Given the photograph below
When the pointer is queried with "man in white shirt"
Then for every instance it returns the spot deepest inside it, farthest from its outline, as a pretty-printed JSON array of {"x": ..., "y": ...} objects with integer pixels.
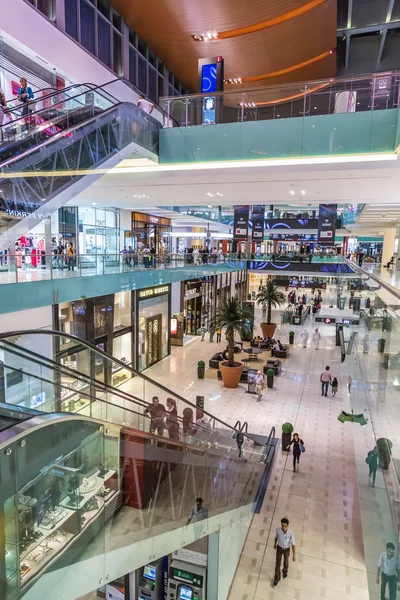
[
  {"x": 259, "y": 380},
  {"x": 326, "y": 379},
  {"x": 198, "y": 512},
  {"x": 145, "y": 105},
  {"x": 284, "y": 540},
  {"x": 388, "y": 568}
]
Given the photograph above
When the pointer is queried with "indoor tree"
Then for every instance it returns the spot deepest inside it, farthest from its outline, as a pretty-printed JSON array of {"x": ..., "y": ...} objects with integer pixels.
[
  {"x": 232, "y": 315},
  {"x": 270, "y": 296}
]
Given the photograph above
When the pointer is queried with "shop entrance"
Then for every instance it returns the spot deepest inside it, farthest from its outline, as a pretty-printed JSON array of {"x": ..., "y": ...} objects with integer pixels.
[{"x": 153, "y": 329}]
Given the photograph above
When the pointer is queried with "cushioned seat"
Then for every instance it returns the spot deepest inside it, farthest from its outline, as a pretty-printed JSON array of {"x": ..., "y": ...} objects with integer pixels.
[
  {"x": 273, "y": 364},
  {"x": 284, "y": 353}
]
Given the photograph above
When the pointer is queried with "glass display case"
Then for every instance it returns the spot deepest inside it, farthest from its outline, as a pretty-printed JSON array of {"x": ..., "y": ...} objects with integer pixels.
[{"x": 61, "y": 502}]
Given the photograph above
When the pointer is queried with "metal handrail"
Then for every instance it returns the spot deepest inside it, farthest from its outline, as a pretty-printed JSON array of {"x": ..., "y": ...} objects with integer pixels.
[
  {"x": 88, "y": 345},
  {"x": 384, "y": 284},
  {"x": 285, "y": 86}
]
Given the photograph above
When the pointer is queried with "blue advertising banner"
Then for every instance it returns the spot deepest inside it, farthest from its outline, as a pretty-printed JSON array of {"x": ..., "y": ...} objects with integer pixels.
[
  {"x": 241, "y": 223},
  {"x": 257, "y": 221},
  {"x": 327, "y": 224}
]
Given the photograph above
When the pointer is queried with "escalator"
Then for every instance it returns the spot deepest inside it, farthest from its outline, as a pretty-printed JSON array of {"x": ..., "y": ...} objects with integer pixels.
[
  {"x": 92, "y": 487},
  {"x": 63, "y": 136}
]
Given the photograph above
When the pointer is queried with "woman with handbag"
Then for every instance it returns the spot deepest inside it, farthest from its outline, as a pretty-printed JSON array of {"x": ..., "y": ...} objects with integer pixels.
[
  {"x": 298, "y": 448},
  {"x": 25, "y": 94}
]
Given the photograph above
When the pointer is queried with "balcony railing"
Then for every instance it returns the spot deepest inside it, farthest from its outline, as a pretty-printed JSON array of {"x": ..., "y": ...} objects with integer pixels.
[{"x": 378, "y": 91}]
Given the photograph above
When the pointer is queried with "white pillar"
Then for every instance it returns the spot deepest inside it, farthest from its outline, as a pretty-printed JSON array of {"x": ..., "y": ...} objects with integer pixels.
[{"x": 388, "y": 245}]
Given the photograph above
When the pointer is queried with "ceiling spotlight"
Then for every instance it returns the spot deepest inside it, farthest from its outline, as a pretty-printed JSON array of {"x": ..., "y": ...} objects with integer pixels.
[
  {"x": 93, "y": 203},
  {"x": 303, "y": 193},
  {"x": 292, "y": 192}
]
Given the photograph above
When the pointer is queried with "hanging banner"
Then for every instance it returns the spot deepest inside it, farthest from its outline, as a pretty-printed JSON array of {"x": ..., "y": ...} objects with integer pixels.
[
  {"x": 257, "y": 221},
  {"x": 241, "y": 223},
  {"x": 327, "y": 224}
]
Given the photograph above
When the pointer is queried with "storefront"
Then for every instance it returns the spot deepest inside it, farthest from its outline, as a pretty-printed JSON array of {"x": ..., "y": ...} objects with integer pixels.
[
  {"x": 192, "y": 306},
  {"x": 98, "y": 234},
  {"x": 105, "y": 322},
  {"x": 149, "y": 231},
  {"x": 153, "y": 316},
  {"x": 256, "y": 282}
]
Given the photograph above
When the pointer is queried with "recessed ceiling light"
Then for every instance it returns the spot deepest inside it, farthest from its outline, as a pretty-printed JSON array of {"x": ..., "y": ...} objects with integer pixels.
[
  {"x": 93, "y": 203},
  {"x": 303, "y": 193},
  {"x": 292, "y": 192}
]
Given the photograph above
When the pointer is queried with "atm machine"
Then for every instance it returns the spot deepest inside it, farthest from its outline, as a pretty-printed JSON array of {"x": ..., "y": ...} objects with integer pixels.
[
  {"x": 150, "y": 582},
  {"x": 186, "y": 581}
]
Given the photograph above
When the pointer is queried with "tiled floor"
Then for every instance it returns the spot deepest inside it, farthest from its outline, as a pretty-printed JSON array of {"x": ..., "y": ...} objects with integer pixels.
[{"x": 341, "y": 523}]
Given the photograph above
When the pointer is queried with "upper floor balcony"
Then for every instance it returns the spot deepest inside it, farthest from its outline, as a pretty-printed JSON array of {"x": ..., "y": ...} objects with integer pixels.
[{"x": 332, "y": 117}]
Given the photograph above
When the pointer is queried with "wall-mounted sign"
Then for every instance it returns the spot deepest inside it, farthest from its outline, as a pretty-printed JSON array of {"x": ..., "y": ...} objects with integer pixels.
[
  {"x": 327, "y": 224},
  {"x": 241, "y": 223},
  {"x": 155, "y": 291},
  {"x": 257, "y": 221}
]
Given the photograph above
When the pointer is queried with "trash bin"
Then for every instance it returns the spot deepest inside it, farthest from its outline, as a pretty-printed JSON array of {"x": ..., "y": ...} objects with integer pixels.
[
  {"x": 381, "y": 345},
  {"x": 291, "y": 337}
]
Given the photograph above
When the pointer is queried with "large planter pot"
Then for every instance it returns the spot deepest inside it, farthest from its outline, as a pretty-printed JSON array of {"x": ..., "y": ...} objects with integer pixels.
[
  {"x": 231, "y": 375},
  {"x": 268, "y": 329}
]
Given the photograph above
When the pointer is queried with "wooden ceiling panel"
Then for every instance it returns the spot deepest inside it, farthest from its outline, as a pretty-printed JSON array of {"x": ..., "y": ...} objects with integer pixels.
[{"x": 167, "y": 26}]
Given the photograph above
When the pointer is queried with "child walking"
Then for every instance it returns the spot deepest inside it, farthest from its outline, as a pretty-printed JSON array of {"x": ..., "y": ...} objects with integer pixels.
[{"x": 335, "y": 386}]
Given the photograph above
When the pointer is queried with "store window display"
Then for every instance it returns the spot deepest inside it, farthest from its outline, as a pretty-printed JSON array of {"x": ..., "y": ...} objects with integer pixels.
[
  {"x": 98, "y": 234},
  {"x": 64, "y": 500},
  {"x": 153, "y": 326}
]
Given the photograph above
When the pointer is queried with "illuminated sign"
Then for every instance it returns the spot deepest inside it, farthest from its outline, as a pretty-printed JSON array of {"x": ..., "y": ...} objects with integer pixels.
[
  {"x": 174, "y": 326},
  {"x": 156, "y": 291}
]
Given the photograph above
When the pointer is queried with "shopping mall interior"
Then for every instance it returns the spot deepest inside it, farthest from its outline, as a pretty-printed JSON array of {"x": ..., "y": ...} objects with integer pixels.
[{"x": 200, "y": 300}]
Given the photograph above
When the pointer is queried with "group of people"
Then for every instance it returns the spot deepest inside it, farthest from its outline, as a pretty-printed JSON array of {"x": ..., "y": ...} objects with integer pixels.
[
  {"x": 25, "y": 95},
  {"x": 201, "y": 255},
  {"x": 64, "y": 255},
  {"x": 131, "y": 258},
  {"x": 166, "y": 418},
  {"x": 212, "y": 330},
  {"x": 316, "y": 338}
]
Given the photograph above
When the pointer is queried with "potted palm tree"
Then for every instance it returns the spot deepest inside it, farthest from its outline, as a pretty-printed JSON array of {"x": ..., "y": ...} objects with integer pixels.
[
  {"x": 232, "y": 315},
  {"x": 269, "y": 297}
]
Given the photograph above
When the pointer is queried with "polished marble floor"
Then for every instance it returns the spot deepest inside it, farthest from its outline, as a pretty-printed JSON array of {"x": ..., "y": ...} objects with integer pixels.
[{"x": 341, "y": 523}]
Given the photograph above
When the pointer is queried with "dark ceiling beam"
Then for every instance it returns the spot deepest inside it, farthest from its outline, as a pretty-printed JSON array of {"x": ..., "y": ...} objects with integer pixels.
[
  {"x": 390, "y": 11},
  {"x": 347, "y": 58},
  {"x": 369, "y": 28},
  {"x": 381, "y": 46},
  {"x": 349, "y": 14}
]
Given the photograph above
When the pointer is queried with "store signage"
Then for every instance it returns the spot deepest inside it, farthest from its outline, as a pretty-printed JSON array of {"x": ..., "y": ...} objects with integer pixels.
[
  {"x": 257, "y": 231},
  {"x": 291, "y": 223},
  {"x": 241, "y": 223},
  {"x": 294, "y": 237},
  {"x": 153, "y": 219},
  {"x": 382, "y": 86},
  {"x": 191, "y": 556},
  {"x": 156, "y": 291},
  {"x": 327, "y": 224},
  {"x": 174, "y": 326}
]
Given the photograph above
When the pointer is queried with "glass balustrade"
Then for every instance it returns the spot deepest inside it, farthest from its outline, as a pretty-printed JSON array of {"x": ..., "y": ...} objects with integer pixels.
[{"x": 106, "y": 481}]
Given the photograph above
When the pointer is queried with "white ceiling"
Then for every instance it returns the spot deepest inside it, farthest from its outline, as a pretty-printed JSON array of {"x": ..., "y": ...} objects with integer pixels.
[{"x": 372, "y": 180}]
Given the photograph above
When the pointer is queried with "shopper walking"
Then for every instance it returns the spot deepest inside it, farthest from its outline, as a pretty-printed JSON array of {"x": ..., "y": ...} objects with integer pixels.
[
  {"x": 335, "y": 386},
  {"x": 259, "y": 380},
  {"x": 298, "y": 445},
  {"x": 366, "y": 343},
  {"x": 203, "y": 331},
  {"x": 60, "y": 256},
  {"x": 373, "y": 463},
  {"x": 284, "y": 540},
  {"x": 388, "y": 569},
  {"x": 212, "y": 332},
  {"x": 325, "y": 379},
  {"x": 316, "y": 338},
  {"x": 71, "y": 256},
  {"x": 218, "y": 332},
  {"x": 198, "y": 512},
  {"x": 304, "y": 338}
]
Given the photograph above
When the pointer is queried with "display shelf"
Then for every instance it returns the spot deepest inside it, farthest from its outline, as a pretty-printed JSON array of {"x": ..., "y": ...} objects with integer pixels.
[
  {"x": 121, "y": 376},
  {"x": 74, "y": 393},
  {"x": 45, "y": 534},
  {"x": 79, "y": 404},
  {"x": 92, "y": 493},
  {"x": 29, "y": 568}
]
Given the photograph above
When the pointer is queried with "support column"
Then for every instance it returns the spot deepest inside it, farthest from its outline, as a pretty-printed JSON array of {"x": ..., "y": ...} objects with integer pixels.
[{"x": 388, "y": 245}]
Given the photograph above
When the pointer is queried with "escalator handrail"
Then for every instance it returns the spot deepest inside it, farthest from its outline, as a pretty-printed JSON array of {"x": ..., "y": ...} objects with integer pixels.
[
  {"x": 53, "y": 333},
  {"x": 99, "y": 385},
  {"x": 15, "y": 98},
  {"x": 65, "y": 132},
  {"x": 37, "y": 112}
]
